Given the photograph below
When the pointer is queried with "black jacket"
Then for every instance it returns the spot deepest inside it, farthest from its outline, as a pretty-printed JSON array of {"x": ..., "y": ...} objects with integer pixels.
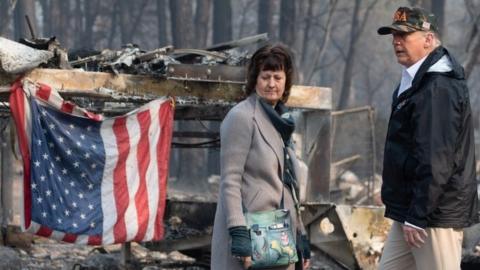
[{"x": 429, "y": 161}]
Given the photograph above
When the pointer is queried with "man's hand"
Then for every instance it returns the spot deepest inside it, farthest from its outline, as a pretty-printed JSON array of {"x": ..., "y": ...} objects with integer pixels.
[
  {"x": 415, "y": 237},
  {"x": 306, "y": 263}
]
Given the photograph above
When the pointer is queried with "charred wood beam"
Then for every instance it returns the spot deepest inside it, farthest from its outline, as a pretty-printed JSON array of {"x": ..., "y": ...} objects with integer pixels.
[
  {"x": 90, "y": 82},
  {"x": 345, "y": 161},
  {"x": 351, "y": 110},
  {"x": 307, "y": 97},
  {"x": 4, "y": 93},
  {"x": 182, "y": 112},
  {"x": 229, "y": 45},
  {"x": 217, "y": 73},
  {"x": 206, "y": 144},
  {"x": 196, "y": 134},
  {"x": 238, "y": 43},
  {"x": 209, "y": 113},
  {"x": 197, "y": 52},
  {"x": 30, "y": 27}
]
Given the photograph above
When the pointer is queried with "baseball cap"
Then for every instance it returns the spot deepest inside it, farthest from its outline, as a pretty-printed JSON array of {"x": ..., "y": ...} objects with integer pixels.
[{"x": 408, "y": 20}]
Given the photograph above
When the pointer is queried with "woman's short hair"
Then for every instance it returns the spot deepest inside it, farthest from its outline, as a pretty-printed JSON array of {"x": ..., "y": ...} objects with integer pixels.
[{"x": 271, "y": 57}]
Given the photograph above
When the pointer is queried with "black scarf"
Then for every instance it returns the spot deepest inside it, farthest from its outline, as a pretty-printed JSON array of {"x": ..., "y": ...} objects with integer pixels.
[
  {"x": 283, "y": 122},
  {"x": 281, "y": 119}
]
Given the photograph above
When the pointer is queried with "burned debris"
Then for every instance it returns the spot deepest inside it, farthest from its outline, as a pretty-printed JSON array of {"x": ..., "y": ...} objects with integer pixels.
[
  {"x": 196, "y": 64},
  {"x": 206, "y": 83}
]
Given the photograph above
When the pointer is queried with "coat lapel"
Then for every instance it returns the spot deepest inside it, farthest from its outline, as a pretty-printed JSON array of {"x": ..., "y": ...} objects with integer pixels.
[{"x": 268, "y": 131}]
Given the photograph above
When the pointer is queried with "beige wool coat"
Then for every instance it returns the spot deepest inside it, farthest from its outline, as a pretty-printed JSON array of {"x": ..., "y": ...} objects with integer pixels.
[{"x": 251, "y": 162}]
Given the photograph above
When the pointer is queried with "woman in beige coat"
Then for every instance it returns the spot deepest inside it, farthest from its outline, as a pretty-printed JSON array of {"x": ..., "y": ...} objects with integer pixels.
[{"x": 253, "y": 135}]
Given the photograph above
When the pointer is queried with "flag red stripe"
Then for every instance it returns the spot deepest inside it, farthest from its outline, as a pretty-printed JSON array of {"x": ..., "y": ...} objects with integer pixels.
[
  {"x": 44, "y": 92},
  {"x": 44, "y": 231},
  {"x": 120, "y": 188},
  {"x": 163, "y": 154},
  {"x": 93, "y": 116},
  {"x": 69, "y": 238},
  {"x": 94, "y": 240},
  {"x": 143, "y": 159},
  {"x": 17, "y": 106},
  {"x": 67, "y": 107}
]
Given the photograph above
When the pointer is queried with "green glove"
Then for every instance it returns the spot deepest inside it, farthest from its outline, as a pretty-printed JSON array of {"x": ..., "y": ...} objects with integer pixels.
[
  {"x": 241, "y": 245},
  {"x": 305, "y": 246}
]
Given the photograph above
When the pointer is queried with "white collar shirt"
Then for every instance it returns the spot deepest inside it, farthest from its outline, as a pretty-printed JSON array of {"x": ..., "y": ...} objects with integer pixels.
[{"x": 408, "y": 74}]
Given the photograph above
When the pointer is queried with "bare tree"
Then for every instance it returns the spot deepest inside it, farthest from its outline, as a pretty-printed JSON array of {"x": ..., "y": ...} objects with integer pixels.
[
  {"x": 321, "y": 49},
  {"x": 47, "y": 17},
  {"x": 130, "y": 20},
  {"x": 84, "y": 18},
  {"x": 426, "y": 4},
  {"x": 202, "y": 19},
  {"x": 287, "y": 22},
  {"x": 6, "y": 11},
  {"x": 265, "y": 17},
  {"x": 222, "y": 21},
  {"x": 438, "y": 8},
  {"x": 372, "y": 83},
  {"x": 113, "y": 24},
  {"x": 60, "y": 11},
  {"x": 182, "y": 24},
  {"x": 306, "y": 32},
  {"x": 473, "y": 43},
  {"x": 162, "y": 23},
  {"x": 243, "y": 15},
  {"x": 20, "y": 27},
  {"x": 91, "y": 11},
  {"x": 346, "y": 91},
  {"x": 124, "y": 20},
  {"x": 77, "y": 19},
  {"x": 56, "y": 19},
  {"x": 137, "y": 18}
]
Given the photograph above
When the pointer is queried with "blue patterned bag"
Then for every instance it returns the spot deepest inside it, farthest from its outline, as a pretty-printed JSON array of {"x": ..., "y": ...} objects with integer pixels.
[{"x": 272, "y": 238}]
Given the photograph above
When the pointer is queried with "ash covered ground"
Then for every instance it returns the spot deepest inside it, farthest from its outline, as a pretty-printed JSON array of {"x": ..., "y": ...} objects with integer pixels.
[{"x": 48, "y": 254}]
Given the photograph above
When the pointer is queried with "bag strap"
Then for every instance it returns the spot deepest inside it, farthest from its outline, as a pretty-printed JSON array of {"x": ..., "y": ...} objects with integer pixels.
[{"x": 303, "y": 231}]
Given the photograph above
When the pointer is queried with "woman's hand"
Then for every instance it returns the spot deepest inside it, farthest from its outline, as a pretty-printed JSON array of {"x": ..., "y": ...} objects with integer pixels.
[
  {"x": 246, "y": 262},
  {"x": 305, "y": 250},
  {"x": 241, "y": 246}
]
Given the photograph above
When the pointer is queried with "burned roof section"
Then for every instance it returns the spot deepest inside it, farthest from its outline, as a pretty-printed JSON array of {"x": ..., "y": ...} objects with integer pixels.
[
  {"x": 181, "y": 70},
  {"x": 206, "y": 64}
]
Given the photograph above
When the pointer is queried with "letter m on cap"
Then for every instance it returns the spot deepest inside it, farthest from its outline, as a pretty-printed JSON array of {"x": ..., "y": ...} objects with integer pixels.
[{"x": 400, "y": 16}]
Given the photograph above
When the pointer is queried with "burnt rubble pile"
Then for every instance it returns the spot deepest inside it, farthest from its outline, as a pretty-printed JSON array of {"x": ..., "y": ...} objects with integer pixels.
[
  {"x": 211, "y": 67},
  {"x": 131, "y": 59}
]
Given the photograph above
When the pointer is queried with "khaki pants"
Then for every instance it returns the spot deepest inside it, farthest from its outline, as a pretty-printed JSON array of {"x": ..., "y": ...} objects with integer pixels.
[{"x": 442, "y": 250}]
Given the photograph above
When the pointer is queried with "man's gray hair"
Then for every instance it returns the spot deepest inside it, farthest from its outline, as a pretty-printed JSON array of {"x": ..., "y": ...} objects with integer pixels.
[{"x": 436, "y": 36}]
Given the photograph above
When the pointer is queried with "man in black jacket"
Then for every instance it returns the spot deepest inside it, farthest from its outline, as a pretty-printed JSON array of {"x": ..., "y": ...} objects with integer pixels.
[{"x": 429, "y": 187}]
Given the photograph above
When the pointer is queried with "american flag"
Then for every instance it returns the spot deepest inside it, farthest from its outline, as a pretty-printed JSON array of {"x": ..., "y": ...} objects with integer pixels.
[{"x": 88, "y": 179}]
